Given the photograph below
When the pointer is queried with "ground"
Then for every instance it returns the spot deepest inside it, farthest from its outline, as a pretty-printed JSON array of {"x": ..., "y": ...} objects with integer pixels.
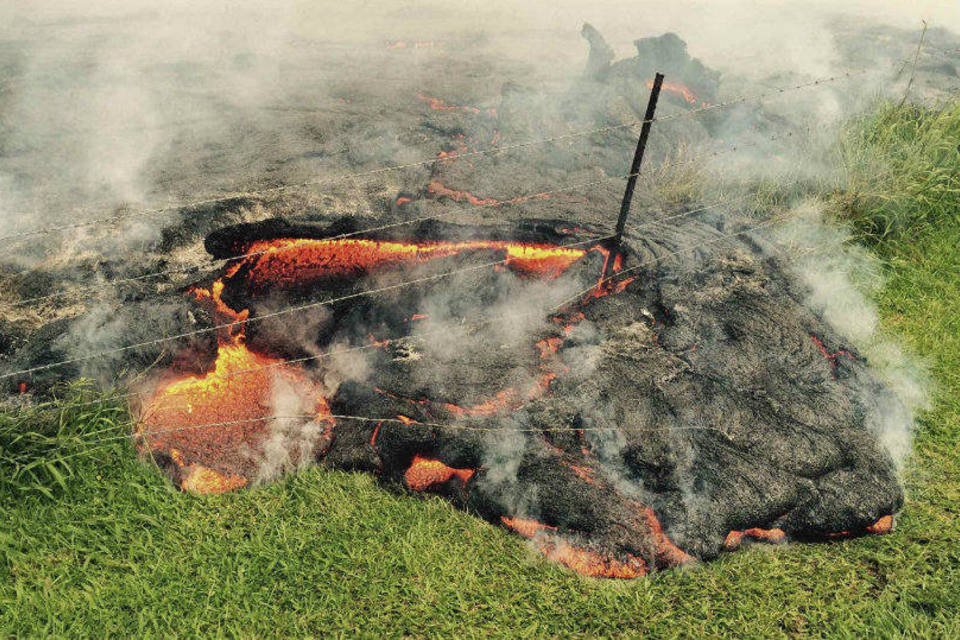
[{"x": 118, "y": 551}]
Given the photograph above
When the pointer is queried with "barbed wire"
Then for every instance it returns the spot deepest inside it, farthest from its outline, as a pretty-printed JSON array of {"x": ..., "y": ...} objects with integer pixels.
[
  {"x": 555, "y": 309},
  {"x": 726, "y": 202},
  {"x": 321, "y": 303},
  {"x": 619, "y": 274},
  {"x": 514, "y": 201},
  {"x": 434, "y": 159},
  {"x": 282, "y": 312}
]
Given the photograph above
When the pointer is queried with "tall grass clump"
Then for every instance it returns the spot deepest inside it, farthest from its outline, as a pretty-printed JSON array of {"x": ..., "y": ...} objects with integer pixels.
[
  {"x": 901, "y": 170},
  {"x": 42, "y": 446}
]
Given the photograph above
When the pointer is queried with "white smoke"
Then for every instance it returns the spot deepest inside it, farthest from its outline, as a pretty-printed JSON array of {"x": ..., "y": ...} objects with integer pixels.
[
  {"x": 840, "y": 276},
  {"x": 110, "y": 103},
  {"x": 292, "y": 441},
  {"x": 127, "y": 103}
]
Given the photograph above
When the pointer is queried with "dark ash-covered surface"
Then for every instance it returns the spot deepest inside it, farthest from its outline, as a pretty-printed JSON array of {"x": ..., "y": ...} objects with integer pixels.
[{"x": 705, "y": 390}]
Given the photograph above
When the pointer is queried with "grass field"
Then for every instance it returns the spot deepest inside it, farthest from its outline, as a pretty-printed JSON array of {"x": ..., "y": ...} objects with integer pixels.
[{"x": 115, "y": 550}]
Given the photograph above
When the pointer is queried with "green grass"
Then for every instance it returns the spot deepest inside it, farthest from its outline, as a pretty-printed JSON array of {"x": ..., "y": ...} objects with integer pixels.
[
  {"x": 116, "y": 551},
  {"x": 42, "y": 445},
  {"x": 901, "y": 170}
]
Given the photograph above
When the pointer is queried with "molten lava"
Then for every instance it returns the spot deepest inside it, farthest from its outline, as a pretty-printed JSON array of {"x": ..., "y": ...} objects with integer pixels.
[
  {"x": 882, "y": 526},
  {"x": 203, "y": 480},
  {"x": 211, "y": 430},
  {"x": 438, "y": 104},
  {"x": 197, "y": 418},
  {"x": 679, "y": 90},
  {"x": 427, "y": 473},
  {"x": 437, "y": 189},
  {"x": 668, "y": 554},
  {"x": 584, "y": 561},
  {"x": 736, "y": 538},
  {"x": 829, "y": 356},
  {"x": 290, "y": 262}
]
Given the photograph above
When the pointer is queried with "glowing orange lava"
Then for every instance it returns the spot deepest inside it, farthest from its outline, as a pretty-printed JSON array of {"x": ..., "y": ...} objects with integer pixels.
[
  {"x": 828, "y": 356},
  {"x": 735, "y": 539},
  {"x": 679, "y": 90},
  {"x": 460, "y": 146},
  {"x": 584, "y": 473},
  {"x": 438, "y": 104},
  {"x": 203, "y": 480},
  {"x": 668, "y": 554},
  {"x": 226, "y": 409},
  {"x": 526, "y": 527},
  {"x": 584, "y": 561},
  {"x": 286, "y": 262},
  {"x": 437, "y": 189},
  {"x": 507, "y": 400},
  {"x": 590, "y": 563},
  {"x": 881, "y": 526},
  {"x": 425, "y": 473}
]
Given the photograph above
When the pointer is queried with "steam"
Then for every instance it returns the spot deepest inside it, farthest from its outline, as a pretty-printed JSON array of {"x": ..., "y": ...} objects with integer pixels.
[
  {"x": 292, "y": 443},
  {"x": 839, "y": 276},
  {"x": 123, "y": 103}
]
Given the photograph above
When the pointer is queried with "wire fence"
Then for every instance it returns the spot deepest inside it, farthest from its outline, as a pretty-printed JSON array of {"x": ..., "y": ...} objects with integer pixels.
[
  {"x": 499, "y": 203},
  {"x": 301, "y": 360},
  {"x": 497, "y": 149},
  {"x": 450, "y": 426},
  {"x": 316, "y": 304}
]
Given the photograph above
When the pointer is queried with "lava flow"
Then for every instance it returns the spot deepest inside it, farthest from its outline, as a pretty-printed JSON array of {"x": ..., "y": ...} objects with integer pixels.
[
  {"x": 209, "y": 425},
  {"x": 426, "y": 473},
  {"x": 250, "y": 415},
  {"x": 679, "y": 90},
  {"x": 437, "y": 189},
  {"x": 206, "y": 421},
  {"x": 584, "y": 561},
  {"x": 288, "y": 262},
  {"x": 438, "y": 104}
]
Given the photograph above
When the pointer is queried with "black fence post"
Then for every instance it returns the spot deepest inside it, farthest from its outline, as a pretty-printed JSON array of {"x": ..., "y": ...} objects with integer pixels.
[{"x": 635, "y": 168}]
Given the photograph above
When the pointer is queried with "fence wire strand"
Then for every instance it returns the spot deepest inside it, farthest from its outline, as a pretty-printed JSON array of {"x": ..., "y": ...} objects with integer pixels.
[
  {"x": 555, "y": 309},
  {"x": 760, "y": 97}
]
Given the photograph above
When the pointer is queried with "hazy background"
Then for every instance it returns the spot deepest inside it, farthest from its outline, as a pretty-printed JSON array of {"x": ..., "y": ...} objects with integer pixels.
[{"x": 100, "y": 101}]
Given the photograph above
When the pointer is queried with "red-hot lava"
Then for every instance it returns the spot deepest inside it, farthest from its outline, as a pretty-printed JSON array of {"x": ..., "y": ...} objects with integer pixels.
[
  {"x": 735, "y": 539},
  {"x": 426, "y": 473},
  {"x": 436, "y": 189},
  {"x": 438, "y": 104},
  {"x": 679, "y": 90},
  {"x": 584, "y": 561},
  {"x": 831, "y": 357},
  {"x": 288, "y": 262},
  {"x": 234, "y": 398},
  {"x": 233, "y": 401}
]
